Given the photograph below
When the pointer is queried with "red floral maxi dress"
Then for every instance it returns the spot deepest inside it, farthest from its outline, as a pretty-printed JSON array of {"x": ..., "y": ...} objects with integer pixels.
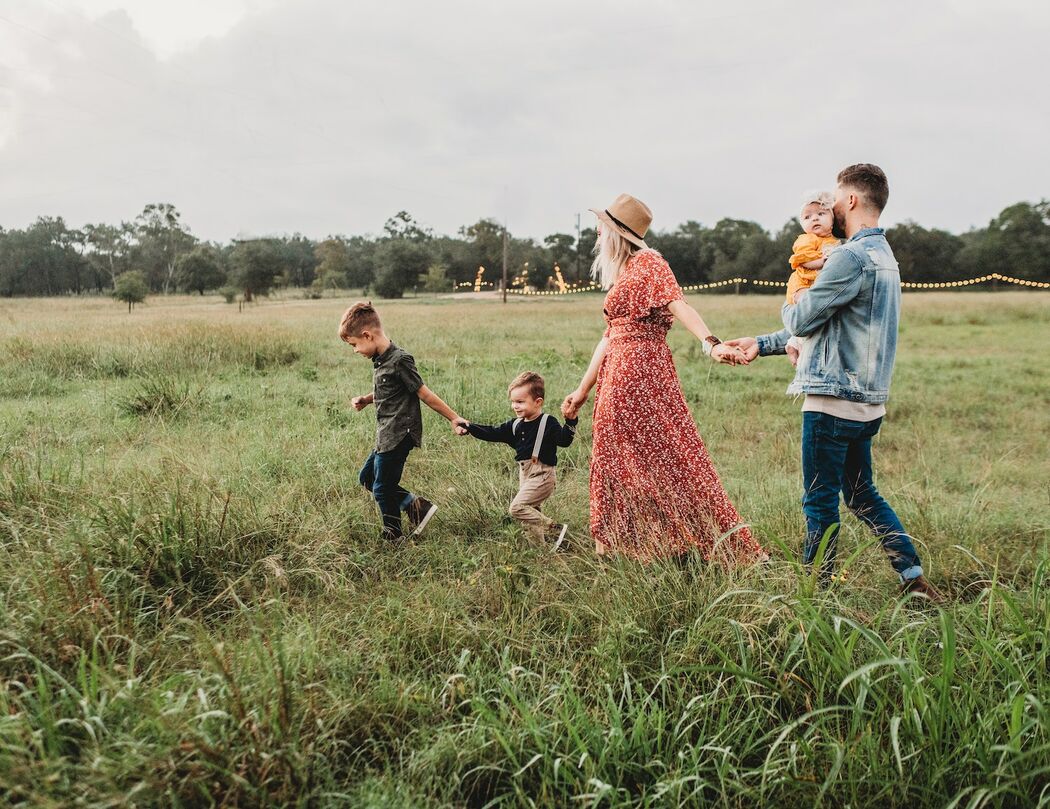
[{"x": 654, "y": 492}]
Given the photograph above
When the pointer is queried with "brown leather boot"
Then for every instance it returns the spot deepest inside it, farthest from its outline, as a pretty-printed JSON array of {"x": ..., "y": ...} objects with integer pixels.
[{"x": 922, "y": 587}]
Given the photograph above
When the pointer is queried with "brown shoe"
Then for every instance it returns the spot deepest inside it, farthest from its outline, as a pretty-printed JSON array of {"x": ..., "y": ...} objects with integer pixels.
[
  {"x": 420, "y": 511},
  {"x": 920, "y": 586}
]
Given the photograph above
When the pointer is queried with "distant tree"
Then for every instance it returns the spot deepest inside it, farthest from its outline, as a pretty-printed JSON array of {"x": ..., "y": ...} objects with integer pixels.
[
  {"x": 43, "y": 259},
  {"x": 777, "y": 266},
  {"x": 1017, "y": 241},
  {"x": 399, "y": 264},
  {"x": 688, "y": 249},
  {"x": 436, "y": 279},
  {"x": 739, "y": 245},
  {"x": 256, "y": 263},
  {"x": 333, "y": 264},
  {"x": 562, "y": 250},
  {"x": 361, "y": 262},
  {"x": 131, "y": 288},
  {"x": 402, "y": 226},
  {"x": 924, "y": 255},
  {"x": 402, "y": 256},
  {"x": 108, "y": 248},
  {"x": 161, "y": 238},
  {"x": 457, "y": 257},
  {"x": 200, "y": 269},
  {"x": 485, "y": 239},
  {"x": 300, "y": 261}
]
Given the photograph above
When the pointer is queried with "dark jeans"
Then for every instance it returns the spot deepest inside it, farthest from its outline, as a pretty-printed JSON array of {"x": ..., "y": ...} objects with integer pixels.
[
  {"x": 836, "y": 457},
  {"x": 381, "y": 475}
]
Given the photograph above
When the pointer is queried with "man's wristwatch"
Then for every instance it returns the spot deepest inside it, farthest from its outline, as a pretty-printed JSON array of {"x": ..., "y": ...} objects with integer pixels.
[{"x": 709, "y": 344}]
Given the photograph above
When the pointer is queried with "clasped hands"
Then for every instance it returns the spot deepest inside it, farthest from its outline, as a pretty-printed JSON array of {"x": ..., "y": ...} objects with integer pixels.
[{"x": 740, "y": 351}]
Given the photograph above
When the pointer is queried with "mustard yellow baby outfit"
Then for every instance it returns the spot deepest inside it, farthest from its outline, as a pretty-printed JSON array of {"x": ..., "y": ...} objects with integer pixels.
[{"x": 806, "y": 248}]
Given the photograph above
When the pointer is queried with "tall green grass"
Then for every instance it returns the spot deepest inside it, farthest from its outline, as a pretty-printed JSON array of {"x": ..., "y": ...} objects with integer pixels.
[{"x": 195, "y": 608}]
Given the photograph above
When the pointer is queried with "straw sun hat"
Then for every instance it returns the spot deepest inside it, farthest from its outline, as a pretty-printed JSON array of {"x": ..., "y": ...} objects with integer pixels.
[{"x": 628, "y": 216}]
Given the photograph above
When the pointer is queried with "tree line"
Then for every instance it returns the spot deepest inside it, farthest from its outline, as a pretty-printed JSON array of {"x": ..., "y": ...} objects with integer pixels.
[{"x": 157, "y": 253}]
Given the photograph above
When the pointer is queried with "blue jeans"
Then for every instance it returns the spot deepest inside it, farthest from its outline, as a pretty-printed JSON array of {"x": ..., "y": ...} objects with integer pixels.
[
  {"x": 836, "y": 457},
  {"x": 381, "y": 475}
]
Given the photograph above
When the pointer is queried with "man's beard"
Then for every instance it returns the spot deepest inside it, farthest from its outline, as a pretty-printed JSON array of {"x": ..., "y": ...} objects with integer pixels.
[{"x": 838, "y": 227}]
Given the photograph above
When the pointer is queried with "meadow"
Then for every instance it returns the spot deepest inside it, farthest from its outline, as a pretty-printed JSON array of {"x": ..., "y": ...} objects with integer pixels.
[{"x": 196, "y": 609}]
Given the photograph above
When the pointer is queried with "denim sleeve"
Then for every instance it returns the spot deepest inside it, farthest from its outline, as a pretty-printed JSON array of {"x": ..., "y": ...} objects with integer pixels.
[
  {"x": 773, "y": 343},
  {"x": 837, "y": 285}
]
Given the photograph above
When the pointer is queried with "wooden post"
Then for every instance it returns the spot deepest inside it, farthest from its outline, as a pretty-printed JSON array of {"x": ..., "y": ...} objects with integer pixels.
[{"x": 504, "y": 263}]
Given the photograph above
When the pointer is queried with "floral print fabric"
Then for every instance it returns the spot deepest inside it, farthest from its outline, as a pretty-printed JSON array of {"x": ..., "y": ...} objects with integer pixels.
[{"x": 654, "y": 492}]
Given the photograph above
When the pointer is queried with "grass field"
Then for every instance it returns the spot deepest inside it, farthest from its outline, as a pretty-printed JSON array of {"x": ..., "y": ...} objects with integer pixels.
[{"x": 195, "y": 609}]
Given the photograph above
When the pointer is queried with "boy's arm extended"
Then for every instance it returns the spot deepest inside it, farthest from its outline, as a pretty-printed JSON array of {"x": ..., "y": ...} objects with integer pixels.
[
  {"x": 567, "y": 432},
  {"x": 435, "y": 403},
  {"x": 500, "y": 433}
]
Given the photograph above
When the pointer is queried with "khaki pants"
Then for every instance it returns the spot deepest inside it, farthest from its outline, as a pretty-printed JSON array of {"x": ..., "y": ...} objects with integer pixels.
[{"x": 536, "y": 483}]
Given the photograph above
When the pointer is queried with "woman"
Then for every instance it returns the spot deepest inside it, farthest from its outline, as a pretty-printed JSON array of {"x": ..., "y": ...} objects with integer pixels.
[{"x": 654, "y": 492}]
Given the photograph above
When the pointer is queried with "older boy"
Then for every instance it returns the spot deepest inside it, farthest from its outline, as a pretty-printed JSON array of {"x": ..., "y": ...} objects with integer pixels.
[{"x": 397, "y": 391}]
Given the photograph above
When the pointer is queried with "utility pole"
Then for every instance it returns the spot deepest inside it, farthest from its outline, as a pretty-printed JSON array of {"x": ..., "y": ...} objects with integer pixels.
[
  {"x": 504, "y": 263},
  {"x": 578, "y": 248}
]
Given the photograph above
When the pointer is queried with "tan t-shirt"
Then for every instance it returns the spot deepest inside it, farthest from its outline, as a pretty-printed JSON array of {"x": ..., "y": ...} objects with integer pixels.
[{"x": 843, "y": 408}]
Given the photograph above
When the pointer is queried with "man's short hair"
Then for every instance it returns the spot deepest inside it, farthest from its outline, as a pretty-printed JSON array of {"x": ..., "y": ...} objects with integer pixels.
[
  {"x": 359, "y": 317},
  {"x": 530, "y": 380},
  {"x": 870, "y": 181}
]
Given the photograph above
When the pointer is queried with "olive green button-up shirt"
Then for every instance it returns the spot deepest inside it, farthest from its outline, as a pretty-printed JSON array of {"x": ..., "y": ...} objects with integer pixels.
[{"x": 395, "y": 387}]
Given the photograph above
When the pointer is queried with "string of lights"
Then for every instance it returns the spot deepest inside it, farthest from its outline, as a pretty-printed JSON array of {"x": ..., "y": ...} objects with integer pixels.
[{"x": 983, "y": 279}]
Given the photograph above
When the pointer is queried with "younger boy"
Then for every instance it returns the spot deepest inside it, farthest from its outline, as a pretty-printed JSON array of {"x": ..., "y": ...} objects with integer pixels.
[
  {"x": 397, "y": 392},
  {"x": 535, "y": 437},
  {"x": 810, "y": 251}
]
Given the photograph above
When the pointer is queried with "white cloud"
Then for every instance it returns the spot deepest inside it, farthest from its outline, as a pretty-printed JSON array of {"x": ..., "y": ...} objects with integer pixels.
[
  {"x": 329, "y": 117},
  {"x": 165, "y": 27}
]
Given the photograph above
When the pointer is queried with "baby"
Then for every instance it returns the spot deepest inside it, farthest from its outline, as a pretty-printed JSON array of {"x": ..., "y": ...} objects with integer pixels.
[{"x": 810, "y": 251}]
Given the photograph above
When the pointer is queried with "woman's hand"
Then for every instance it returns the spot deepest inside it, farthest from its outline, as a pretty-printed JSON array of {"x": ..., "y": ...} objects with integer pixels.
[
  {"x": 573, "y": 402},
  {"x": 728, "y": 355}
]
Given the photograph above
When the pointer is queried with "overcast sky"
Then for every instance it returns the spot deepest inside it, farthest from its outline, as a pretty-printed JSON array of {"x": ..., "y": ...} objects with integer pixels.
[{"x": 271, "y": 116}]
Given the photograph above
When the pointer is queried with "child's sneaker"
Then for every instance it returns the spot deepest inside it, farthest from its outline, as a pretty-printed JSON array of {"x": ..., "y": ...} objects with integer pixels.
[
  {"x": 558, "y": 532},
  {"x": 393, "y": 537},
  {"x": 420, "y": 511}
]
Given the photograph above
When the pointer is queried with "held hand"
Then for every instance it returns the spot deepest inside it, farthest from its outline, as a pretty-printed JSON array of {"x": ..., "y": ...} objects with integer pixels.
[
  {"x": 792, "y": 353},
  {"x": 798, "y": 295},
  {"x": 572, "y": 404},
  {"x": 360, "y": 402},
  {"x": 748, "y": 345},
  {"x": 459, "y": 425},
  {"x": 728, "y": 355}
]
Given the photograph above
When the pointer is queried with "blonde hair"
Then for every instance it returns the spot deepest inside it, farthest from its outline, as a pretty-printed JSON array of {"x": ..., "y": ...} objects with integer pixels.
[
  {"x": 530, "y": 380},
  {"x": 825, "y": 199},
  {"x": 611, "y": 253},
  {"x": 362, "y": 315}
]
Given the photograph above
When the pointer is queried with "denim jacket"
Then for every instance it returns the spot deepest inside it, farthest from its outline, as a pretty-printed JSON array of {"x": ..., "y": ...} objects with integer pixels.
[{"x": 850, "y": 316}]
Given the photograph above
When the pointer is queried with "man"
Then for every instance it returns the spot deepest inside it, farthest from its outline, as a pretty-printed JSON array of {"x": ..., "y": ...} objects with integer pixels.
[{"x": 850, "y": 316}]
